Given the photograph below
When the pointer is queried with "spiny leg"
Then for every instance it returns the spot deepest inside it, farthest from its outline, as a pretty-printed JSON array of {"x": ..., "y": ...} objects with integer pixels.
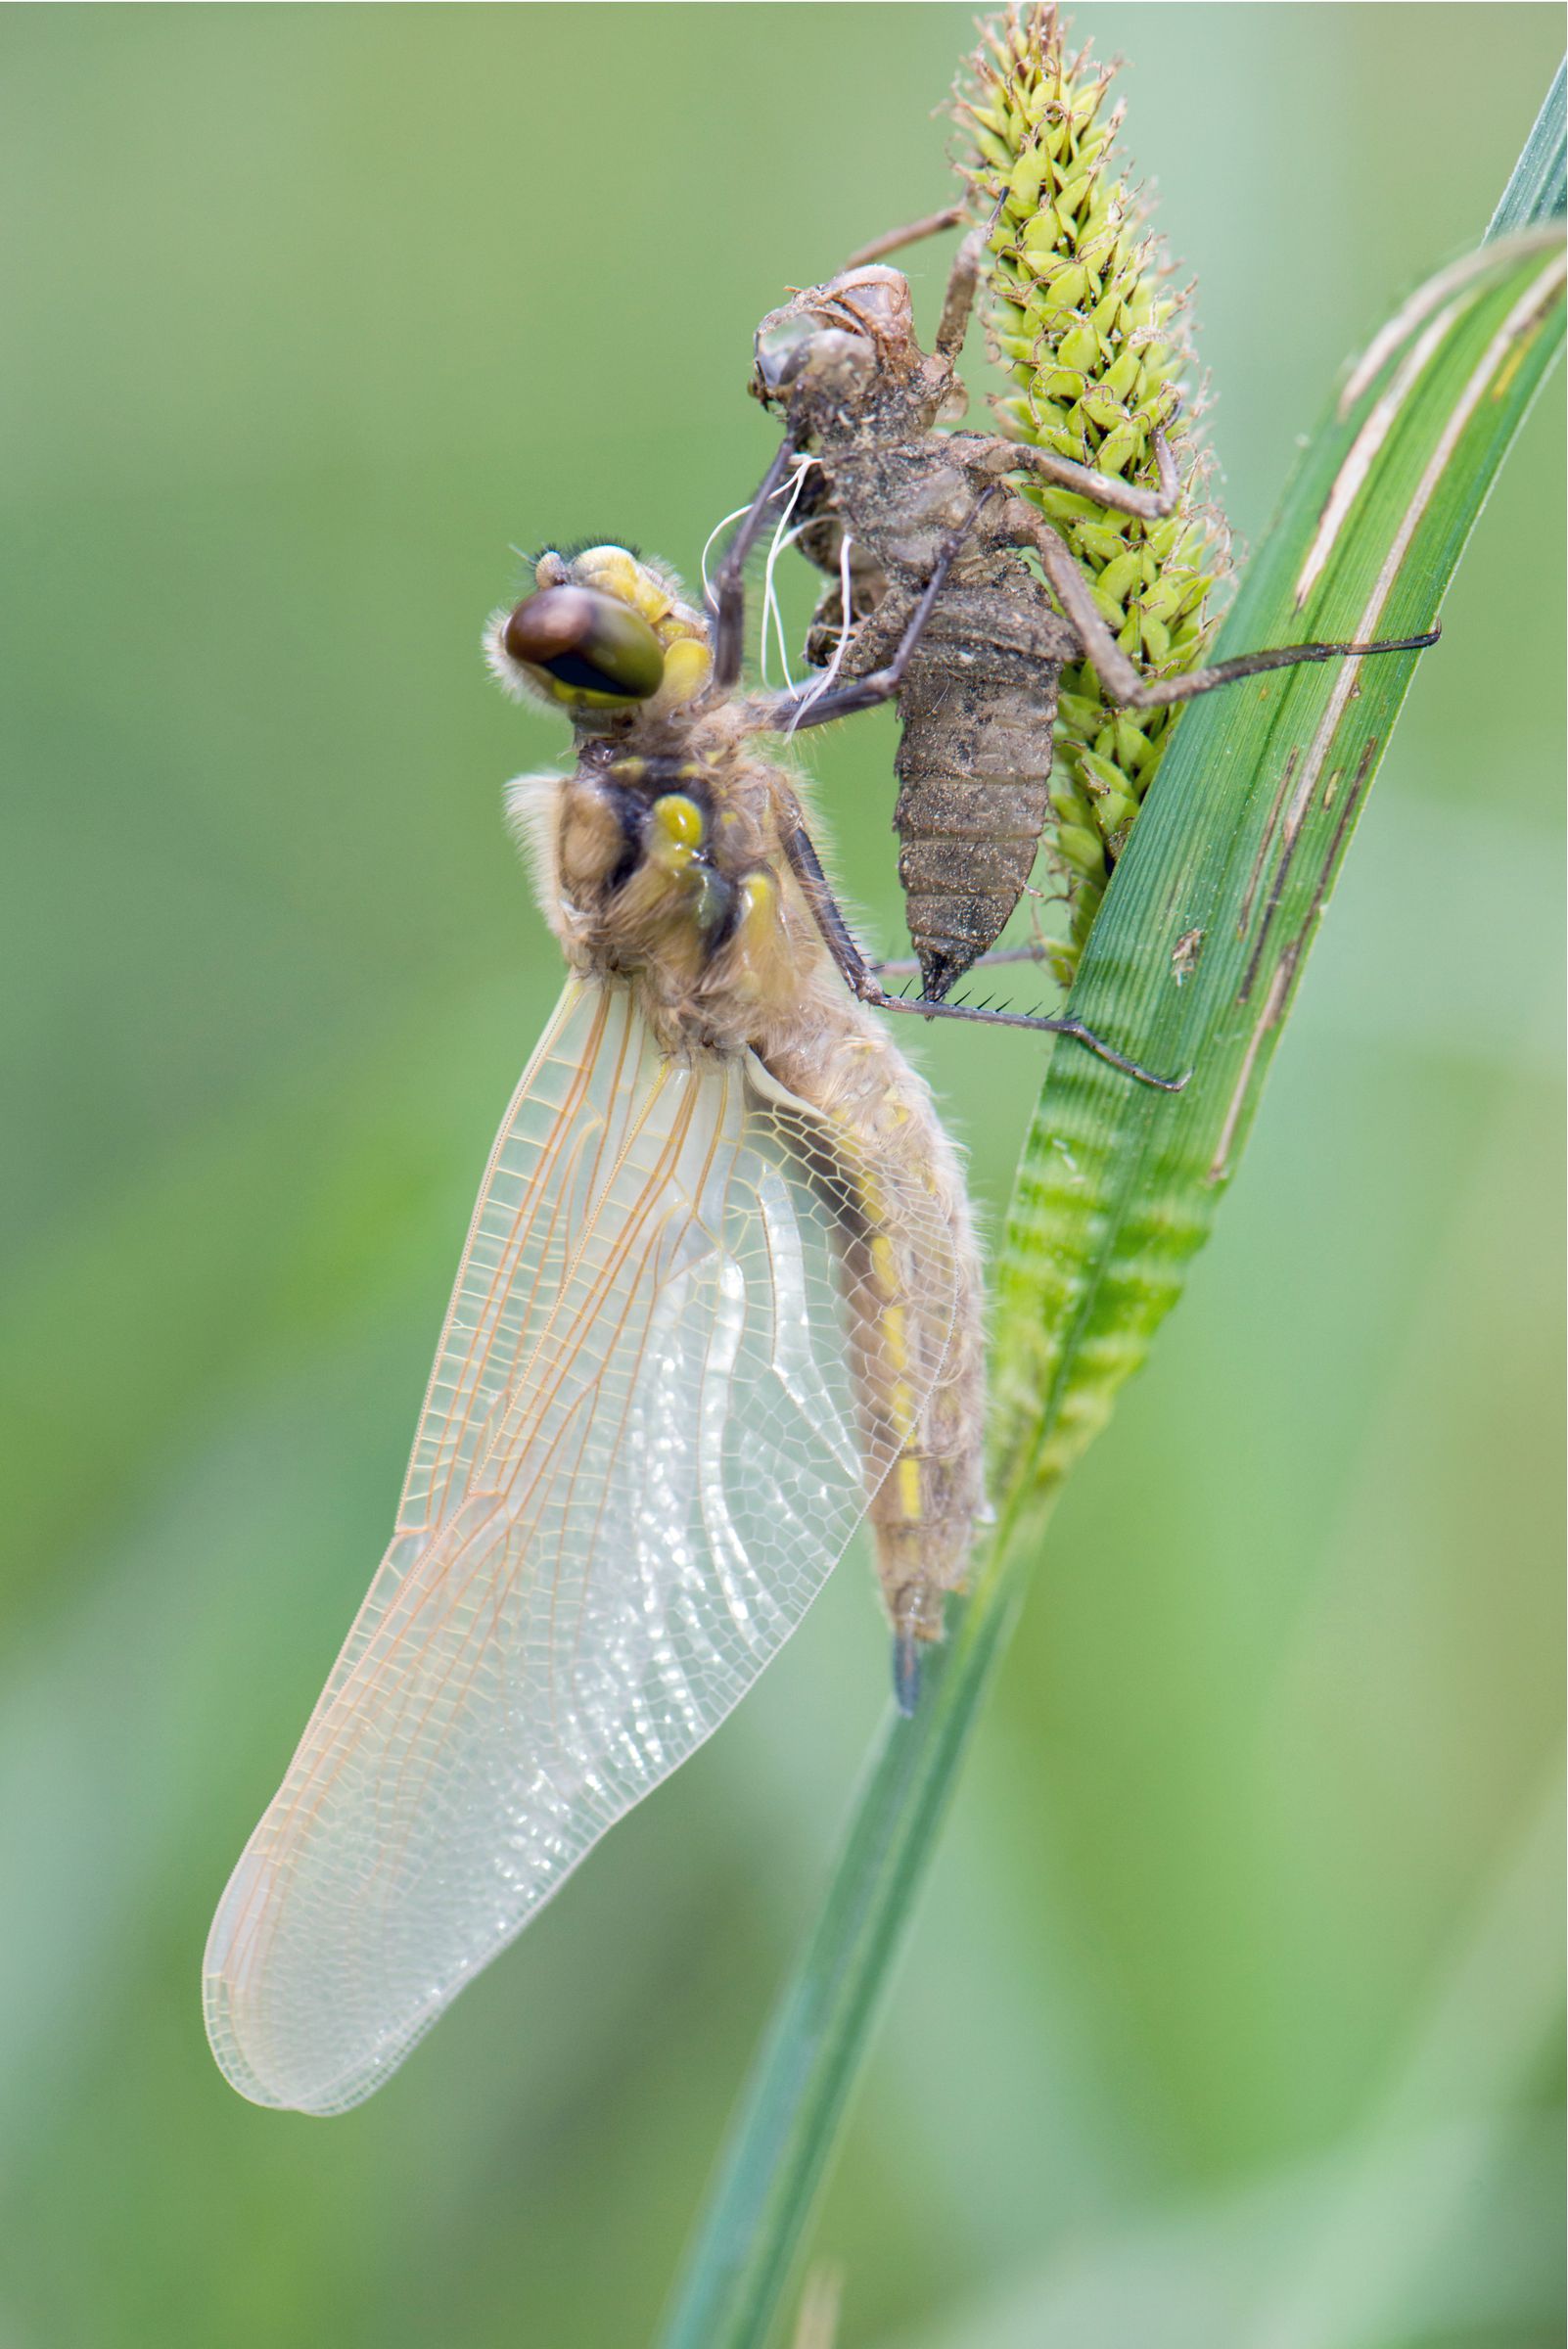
[
  {"x": 1101, "y": 488},
  {"x": 863, "y": 983},
  {"x": 894, "y": 240},
  {"x": 963, "y": 284},
  {"x": 1115, "y": 670}
]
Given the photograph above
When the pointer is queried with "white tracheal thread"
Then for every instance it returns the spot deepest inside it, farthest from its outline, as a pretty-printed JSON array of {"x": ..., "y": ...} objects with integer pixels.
[
  {"x": 846, "y": 610},
  {"x": 772, "y": 614},
  {"x": 723, "y": 524},
  {"x": 771, "y": 609}
]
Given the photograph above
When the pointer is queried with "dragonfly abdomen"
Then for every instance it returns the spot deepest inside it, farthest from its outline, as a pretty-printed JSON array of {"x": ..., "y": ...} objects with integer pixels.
[{"x": 912, "y": 1288}]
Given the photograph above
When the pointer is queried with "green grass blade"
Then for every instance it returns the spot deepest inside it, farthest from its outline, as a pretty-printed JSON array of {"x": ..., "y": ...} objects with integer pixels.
[
  {"x": 1538, "y": 185},
  {"x": 1240, "y": 843},
  {"x": 1195, "y": 959}
]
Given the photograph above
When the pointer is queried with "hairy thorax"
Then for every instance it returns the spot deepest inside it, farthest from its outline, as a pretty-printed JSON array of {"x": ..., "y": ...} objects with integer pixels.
[{"x": 668, "y": 870}]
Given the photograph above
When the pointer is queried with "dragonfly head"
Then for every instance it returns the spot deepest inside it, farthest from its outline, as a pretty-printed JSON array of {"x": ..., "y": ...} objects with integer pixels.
[{"x": 603, "y": 632}]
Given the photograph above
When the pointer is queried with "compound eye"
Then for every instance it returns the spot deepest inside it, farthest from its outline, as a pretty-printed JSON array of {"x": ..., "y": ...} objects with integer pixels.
[{"x": 586, "y": 644}]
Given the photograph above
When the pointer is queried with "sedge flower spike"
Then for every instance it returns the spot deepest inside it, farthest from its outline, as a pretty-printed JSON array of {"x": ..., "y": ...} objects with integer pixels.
[{"x": 1082, "y": 314}]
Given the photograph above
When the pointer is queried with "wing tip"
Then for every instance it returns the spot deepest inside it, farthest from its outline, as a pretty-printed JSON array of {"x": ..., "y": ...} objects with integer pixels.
[
  {"x": 240, "y": 2006},
  {"x": 284, "y": 2085}
]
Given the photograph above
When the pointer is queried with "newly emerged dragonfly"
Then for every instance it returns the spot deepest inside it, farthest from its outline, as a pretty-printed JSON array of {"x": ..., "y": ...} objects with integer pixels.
[
  {"x": 719, "y": 1299},
  {"x": 884, "y": 490}
]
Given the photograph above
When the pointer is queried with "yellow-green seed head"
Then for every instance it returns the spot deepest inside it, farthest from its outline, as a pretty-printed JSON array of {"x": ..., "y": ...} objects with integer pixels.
[{"x": 1082, "y": 314}]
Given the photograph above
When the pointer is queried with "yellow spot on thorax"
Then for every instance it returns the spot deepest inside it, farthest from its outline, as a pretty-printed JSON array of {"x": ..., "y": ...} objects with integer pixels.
[
  {"x": 674, "y": 832},
  {"x": 758, "y": 907}
]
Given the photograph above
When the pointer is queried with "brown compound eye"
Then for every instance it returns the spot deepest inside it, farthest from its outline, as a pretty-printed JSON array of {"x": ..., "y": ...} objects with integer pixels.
[{"x": 583, "y": 645}]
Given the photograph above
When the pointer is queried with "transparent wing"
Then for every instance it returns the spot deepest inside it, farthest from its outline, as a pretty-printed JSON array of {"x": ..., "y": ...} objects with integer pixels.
[{"x": 639, "y": 1456}]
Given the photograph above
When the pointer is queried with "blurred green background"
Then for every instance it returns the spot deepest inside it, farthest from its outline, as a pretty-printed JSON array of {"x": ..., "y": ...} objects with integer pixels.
[{"x": 1230, "y": 2016}]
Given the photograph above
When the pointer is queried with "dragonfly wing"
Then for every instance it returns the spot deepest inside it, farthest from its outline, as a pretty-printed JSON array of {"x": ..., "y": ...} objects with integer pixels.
[{"x": 639, "y": 1459}]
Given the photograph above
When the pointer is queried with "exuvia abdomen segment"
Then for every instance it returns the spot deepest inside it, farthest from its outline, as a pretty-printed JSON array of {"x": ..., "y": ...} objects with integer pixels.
[{"x": 973, "y": 767}]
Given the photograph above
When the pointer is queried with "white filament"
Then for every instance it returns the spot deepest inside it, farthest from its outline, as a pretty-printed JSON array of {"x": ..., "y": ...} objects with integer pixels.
[
  {"x": 846, "y": 607},
  {"x": 702, "y": 565},
  {"x": 772, "y": 614}
]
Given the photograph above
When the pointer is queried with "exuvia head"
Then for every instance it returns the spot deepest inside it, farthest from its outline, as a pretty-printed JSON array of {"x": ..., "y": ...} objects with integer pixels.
[
  {"x": 838, "y": 336},
  {"x": 603, "y": 632}
]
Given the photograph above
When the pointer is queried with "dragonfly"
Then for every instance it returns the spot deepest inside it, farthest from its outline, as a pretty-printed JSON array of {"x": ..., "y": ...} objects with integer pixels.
[
  {"x": 720, "y": 1301},
  {"x": 885, "y": 488}
]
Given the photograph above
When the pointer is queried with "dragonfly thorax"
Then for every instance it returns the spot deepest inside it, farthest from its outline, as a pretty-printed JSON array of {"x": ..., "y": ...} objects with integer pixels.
[{"x": 666, "y": 867}]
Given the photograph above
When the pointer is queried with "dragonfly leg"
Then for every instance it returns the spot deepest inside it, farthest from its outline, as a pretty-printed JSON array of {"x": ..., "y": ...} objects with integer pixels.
[
  {"x": 1116, "y": 671},
  {"x": 863, "y": 983},
  {"x": 894, "y": 240},
  {"x": 726, "y": 600},
  {"x": 958, "y": 302},
  {"x": 1117, "y": 496}
]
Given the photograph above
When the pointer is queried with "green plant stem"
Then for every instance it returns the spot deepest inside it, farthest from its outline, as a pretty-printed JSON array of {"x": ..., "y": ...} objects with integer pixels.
[
  {"x": 807, "y": 2066},
  {"x": 1240, "y": 843}
]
